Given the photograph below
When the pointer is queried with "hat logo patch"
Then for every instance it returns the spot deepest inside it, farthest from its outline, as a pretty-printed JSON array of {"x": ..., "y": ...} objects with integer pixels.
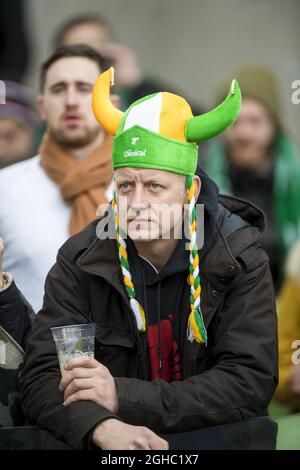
[
  {"x": 135, "y": 153},
  {"x": 134, "y": 140}
]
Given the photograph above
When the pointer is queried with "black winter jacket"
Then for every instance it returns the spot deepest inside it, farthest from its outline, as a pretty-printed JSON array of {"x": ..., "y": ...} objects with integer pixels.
[{"x": 232, "y": 378}]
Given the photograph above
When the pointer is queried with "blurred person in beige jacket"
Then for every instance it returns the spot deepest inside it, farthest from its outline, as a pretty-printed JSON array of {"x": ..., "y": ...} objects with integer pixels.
[{"x": 288, "y": 390}]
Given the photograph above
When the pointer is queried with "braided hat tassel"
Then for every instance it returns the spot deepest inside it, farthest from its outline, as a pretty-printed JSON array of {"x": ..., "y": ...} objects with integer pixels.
[
  {"x": 196, "y": 329},
  {"x": 136, "y": 307}
]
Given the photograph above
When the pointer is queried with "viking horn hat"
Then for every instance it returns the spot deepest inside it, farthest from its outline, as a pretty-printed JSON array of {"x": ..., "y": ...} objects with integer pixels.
[{"x": 195, "y": 129}]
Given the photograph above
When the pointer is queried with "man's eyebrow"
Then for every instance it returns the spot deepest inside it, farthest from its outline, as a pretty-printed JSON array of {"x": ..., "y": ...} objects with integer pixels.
[
  {"x": 154, "y": 179},
  {"x": 81, "y": 82},
  {"x": 122, "y": 179},
  {"x": 57, "y": 84},
  {"x": 77, "y": 83},
  {"x": 149, "y": 179}
]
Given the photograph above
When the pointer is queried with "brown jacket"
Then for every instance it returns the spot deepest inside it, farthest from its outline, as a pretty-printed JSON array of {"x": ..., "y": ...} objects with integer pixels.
[{"x": 230, "y": 379}]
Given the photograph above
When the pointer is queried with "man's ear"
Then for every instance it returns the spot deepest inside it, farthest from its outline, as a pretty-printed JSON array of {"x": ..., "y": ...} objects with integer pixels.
[
  {"x": 197, "y": 181},
  {"x": 41, "y": 107},
  {"x": 116, "y": 100}
]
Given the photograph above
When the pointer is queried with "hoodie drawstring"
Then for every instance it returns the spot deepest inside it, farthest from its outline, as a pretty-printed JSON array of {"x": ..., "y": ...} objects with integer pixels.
[{"x": 160, "y": 357}]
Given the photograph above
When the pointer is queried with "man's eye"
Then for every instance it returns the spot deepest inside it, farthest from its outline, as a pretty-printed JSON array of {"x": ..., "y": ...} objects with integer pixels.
[
  {"x": 57, "y": 89},
  {"x": 85, "y": 88},
  {"x": 125, "y": 186},
  {"x": 155, "y": 186}
]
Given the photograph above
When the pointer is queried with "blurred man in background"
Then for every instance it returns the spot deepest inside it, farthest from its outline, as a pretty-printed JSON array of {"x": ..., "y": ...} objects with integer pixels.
[
  {"x": 257, "y": 161},
  {"x": 18, "y": 123},
  {"x": 95, "y": 31},
  {"x": 56, "y": 193}
]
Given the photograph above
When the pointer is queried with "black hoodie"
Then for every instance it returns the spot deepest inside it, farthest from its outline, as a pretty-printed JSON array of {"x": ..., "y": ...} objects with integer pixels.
[{"x": 160, "y": 293}]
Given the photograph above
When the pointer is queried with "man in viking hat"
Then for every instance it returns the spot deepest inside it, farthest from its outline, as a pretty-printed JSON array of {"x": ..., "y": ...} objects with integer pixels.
[{"x": 186, "y": 333}]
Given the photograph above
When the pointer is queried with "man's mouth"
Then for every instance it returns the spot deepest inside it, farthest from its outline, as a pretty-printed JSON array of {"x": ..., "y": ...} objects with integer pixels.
[
  {"x": 72, "y": 119},
  {"x": 138, "y": 221}
]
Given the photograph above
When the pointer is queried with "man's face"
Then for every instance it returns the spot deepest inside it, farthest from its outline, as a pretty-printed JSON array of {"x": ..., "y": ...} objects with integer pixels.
[
  {"x": 92, "y": 34},
  {"x": 150, "y": 202},
  {"x": 15, "y": 142},
  {"x": 249, "y": 139},
  {"x": 66, "y": 103}
]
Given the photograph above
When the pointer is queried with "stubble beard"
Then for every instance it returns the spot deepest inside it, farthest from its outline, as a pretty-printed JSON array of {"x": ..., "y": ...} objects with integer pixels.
[{"x": 65, "y": 139}]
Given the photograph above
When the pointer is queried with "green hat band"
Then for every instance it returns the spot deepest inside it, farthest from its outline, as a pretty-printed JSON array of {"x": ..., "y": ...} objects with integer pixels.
[{"x": 138, "y": 147}]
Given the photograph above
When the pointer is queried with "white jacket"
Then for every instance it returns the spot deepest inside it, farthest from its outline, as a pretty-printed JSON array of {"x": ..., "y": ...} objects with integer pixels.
[{"x": 34, "y": 222}]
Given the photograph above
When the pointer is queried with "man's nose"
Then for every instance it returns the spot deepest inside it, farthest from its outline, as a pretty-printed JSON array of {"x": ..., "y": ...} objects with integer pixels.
[
  {"x": 71, "y": 97},
  {"x": 139, "y": 200}
]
